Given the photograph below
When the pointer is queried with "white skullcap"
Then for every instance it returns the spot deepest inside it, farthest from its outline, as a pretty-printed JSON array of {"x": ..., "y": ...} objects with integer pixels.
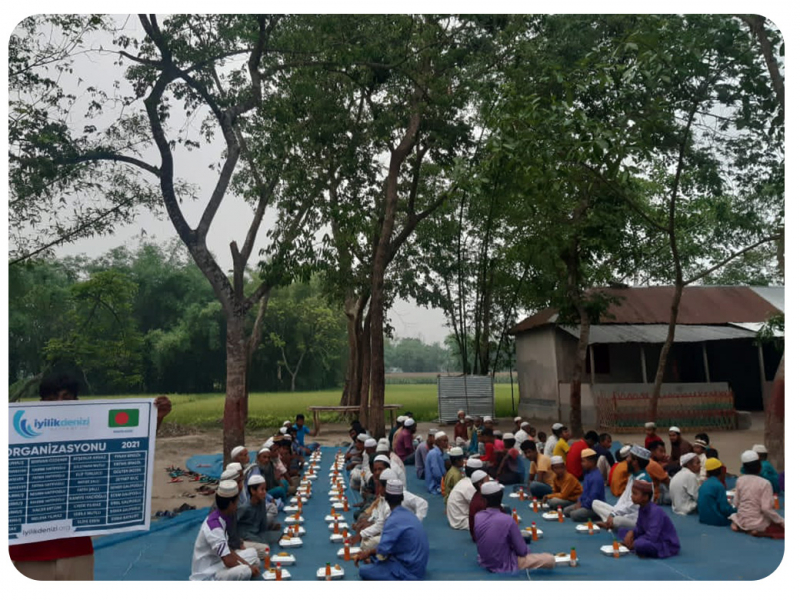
[
  {"x": 475, "y": 463},
  {"x": 517, "y": 419},
  {"x": 760, "y": 449},
  {"x": 439, "y": 435},
  {"x": 268, "y": 444},
  {"x": 637, "y": 450},
  {"x": 234, "y": 465},
  {"x": 228, "y": 474},
  {"x": 362, "y": 437},
  {"x": 556, "y": 460},
  {"x": 524, "y": 424},
  {"x": 387, "y": 475},
  {"x": 508, "y": 436},
  {"x": 283, "y": 430},
  {"x": 498, "y": 434},
  {"x": 456, "y": 452},
  {"x": 623, "y": 452},
  {"x": 491, "y": 487},
  {"x": 557, "y": 426},
  {"x": 394, "y": 487},
  {"x": 236, "y": 451},
  {"x": 256, "y": 480},
  {"x": 488, "y": 419},
  {"x": 383, "y": 440},
  {"x": 433, "y": 431},
  {"x": 478, "y": 475},
  {"x": 649, "y": 425},
  {"x": 287, "y": 437},
  {"x": 469, "y": 418},
  {"x": 382, "y": 458},
  {"x": 401, "y": 418},
  {"x": 285, "y": 423},
  {"x": 227, "y": 489},
  {"x": 370, "y": 443},
  {"x": 382, "y": 447},
  {"x": 265, "y": 449},
  {"x": 749, "y": 456},
  {"x": 674, "y": 429},
  {"x": 685, "y": 458},
  {"x": 409, "y": 422}
]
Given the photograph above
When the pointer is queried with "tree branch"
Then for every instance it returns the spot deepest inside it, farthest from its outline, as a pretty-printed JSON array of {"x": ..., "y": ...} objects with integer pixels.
[{"x": 733, "y": 256}]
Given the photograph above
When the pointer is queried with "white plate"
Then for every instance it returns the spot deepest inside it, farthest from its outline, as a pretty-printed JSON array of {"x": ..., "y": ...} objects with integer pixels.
[
  {"x": 526, "y": 532},
  {"x": 311, "y": 477},
  {"x": 335, "y": 500},
  {"x": 290, "y": 509},
  {"x": 342, "y": 522},
  {"x": 301, "y": 531},
  {"x": 338, "y": 538},
  {"x": 331, "y": 519},
  {"x": 335, "y": 573},
  {"x": 271, "y": 576},
  {"x": 294, "y": 542},
  {"x": 563, "y": 561},
  {"x": 334, "y": 493},
  {"x": 353, "y": 551},
  {"x": 514, "y": 495},
  {"x": 609, "y": 550},
  {"x": 584, "y": 528},
  {"x": 294, "y": 519},
  {"x": 284, "y": 560},
  {"x": 551, "y": 515},
  {"x": 338, "y": 505}
]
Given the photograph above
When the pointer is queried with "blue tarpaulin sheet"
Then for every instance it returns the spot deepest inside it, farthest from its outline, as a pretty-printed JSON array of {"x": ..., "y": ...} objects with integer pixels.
[{"x": 707, "y": 553}]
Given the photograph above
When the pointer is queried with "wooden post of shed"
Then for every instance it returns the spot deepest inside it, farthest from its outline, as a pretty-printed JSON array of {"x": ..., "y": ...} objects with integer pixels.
[
  {"x": 705, "y": 364},
  {"x": 761, "y": 369},
  {"x": 644, "y": 363},
  {"x": 591, "y": 362}
]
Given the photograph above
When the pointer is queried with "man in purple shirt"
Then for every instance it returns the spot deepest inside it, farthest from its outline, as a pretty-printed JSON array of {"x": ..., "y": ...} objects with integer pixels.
[
  {"x": 501, "y": 548},
  {"x": 404, "y": 443},
  {"x": 594, "y": 488},
  {"x": 654, "y": 535}
]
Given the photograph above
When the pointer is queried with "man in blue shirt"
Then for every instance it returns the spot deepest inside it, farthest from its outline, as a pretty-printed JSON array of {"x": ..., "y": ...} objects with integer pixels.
[
  {"x": 713, "y": 507},
  {"x": 402, "y": 553},
  {"x": 302, "y": 430},
  {"x": 434, "y": 464},
  {"x": 593, "y": 489}
]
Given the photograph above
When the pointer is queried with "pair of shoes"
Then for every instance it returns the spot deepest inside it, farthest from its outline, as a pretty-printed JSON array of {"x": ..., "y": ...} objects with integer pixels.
[
  {"x": 184, "y": 507},
  {"x": 176, "y": 480}
]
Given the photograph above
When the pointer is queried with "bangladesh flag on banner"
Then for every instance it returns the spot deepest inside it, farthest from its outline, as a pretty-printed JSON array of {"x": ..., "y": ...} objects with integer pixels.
[{"x": 123, "y": 418}]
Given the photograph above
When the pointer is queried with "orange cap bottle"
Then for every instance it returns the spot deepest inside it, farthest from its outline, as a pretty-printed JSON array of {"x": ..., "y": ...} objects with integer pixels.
[{"x": 534, "y": 532}]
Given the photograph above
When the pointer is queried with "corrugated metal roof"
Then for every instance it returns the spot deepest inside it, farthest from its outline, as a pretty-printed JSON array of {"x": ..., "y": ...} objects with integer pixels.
[
  {"x": 700, "y": 305},
  {"x": 773, "y": 295},
  {"x": 756, "y": 327},
  {"x": 657, "y": 334}
]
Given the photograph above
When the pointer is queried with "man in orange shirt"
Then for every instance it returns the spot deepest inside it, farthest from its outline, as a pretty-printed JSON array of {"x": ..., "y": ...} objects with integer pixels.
[
  {"x": 574, "y": 455},
  {"x": 618, "y": 477},
  {"x": 658, "y": 453},
  {"x": 566, "y": 488}
]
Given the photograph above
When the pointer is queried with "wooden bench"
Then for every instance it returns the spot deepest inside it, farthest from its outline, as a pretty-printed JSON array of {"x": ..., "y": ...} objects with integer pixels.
[{"x": 344, "y": 410}]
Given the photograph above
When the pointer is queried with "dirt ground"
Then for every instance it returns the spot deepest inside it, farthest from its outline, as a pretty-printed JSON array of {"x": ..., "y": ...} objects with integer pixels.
[{"x": 173, "y": 450}]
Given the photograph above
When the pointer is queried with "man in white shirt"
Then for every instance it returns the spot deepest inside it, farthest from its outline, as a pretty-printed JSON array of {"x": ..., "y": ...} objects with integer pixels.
[
  {"x": 551, "y": 442},
  {"x": 625, "y": 513},
  {"x": 685, "y": 485},
  {"x": 213, "y": 559},
  {"x": 461, "y": 495},
  {"x": 521, "y": 435}
]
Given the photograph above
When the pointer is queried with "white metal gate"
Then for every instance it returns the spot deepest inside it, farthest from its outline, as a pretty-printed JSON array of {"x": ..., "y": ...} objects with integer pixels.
[{"x": 474, "y": 394}]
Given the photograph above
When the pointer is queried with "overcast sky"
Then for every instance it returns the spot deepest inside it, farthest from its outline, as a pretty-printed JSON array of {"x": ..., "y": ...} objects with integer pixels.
[{"x": 230, "y": 223}]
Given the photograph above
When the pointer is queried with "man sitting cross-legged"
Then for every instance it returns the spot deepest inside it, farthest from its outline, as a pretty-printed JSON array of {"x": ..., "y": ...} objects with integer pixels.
[{"x": 654, "y": 535}]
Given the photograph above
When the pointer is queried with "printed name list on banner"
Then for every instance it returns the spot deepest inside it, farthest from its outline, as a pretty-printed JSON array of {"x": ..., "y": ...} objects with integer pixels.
[{"x": 79, "y": 468}]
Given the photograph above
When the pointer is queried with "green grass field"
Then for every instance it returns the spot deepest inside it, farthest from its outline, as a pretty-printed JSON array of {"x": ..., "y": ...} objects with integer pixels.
[{"x": 269, "y": 410}]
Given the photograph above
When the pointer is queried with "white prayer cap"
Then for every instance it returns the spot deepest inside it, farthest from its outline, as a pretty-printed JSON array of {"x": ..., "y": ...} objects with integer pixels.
[
  {"x": 475, "y": 463},
  {"x": 370, "y": 443},
  {"x": 649, "y": 425},
  {"x": 362, "y": 437},
  {"x": 439, "y": 435},
  {"x": 685, "y": 458},
  {"x": 478, "y": 475},
  {"x": 268, "y": 444},
  {"x": 265, "y": 450},
  {"x": 455, "y": 452},
  {"x": 382, "y": 447},
  {"x": 256, "y": 480},
  {"x": 234, "y": 465},
  {"x": 283, "y": 430},
  {"x": 469, "y": 418},
  {"x": 760, "y": 449},
  {"x": 382, "y": 458},
  {"x": 488, "y": 419},
  {"x": 383, "y": 440},
  {"x": 623, "y": 452},
  {"x": 285, "y": 423},
  {"x": 637, "y": 450},
  {"x": 498, "y": 434},
  {"x": 228, "y": 489},
  {"x": 287, "y": 437},
  {"x": 401, "y": 418},
  {"x": 491, "y": 487},
  {"x": 387, "y": 475},
  {"x": 508, "y": 436},
  {"x": 556, "y": 460},
  {"x": 557, "y": 426},
  {"x": 409, "y": 422},
  {"x": 517, "y": 419},
  {"x": 524, "y": 424},
  {"x": 228, "y": 474},
  {"x": 236, "y": 451},
  {"x": 433, "y": 432},
  {"x": 674, "y": 429},
  {"x": 460, "y": 440},
  {"x": 394, "y": 487},
  {"x": 749, "y": 456}
]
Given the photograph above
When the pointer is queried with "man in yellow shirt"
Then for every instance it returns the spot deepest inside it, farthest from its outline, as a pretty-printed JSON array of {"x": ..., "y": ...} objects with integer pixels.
[
  {"x": 541, "y": 475},
  {"x": 562, "y": 447},
  {"x": 566, "y": 487}
]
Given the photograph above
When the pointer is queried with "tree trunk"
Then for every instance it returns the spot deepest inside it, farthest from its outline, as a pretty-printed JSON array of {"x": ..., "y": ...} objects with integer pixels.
[
  {"x": 377, "y": 379},
  {"x": 575, "y": 420},
  {"x": 662, "y": 360},
  {"x": 354, "y": 311},
  {"x": 363, "y": 400},
  {"x": 235, "y": 415},
  {"x": 774, "y": 419}
]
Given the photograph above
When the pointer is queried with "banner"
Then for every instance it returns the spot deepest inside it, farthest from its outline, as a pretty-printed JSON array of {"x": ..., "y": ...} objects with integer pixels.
[{"x": 79, "y": 468}]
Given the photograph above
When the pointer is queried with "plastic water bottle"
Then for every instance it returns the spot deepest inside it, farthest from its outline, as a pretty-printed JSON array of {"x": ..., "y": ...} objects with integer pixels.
[
  {"x": 616, "y": 548},
  {"x": 327, "y": 571},
  {"x": 534, "y": 532},
  {"x": 573, "y": 557},
  {"x": 266, "y": 559}
]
